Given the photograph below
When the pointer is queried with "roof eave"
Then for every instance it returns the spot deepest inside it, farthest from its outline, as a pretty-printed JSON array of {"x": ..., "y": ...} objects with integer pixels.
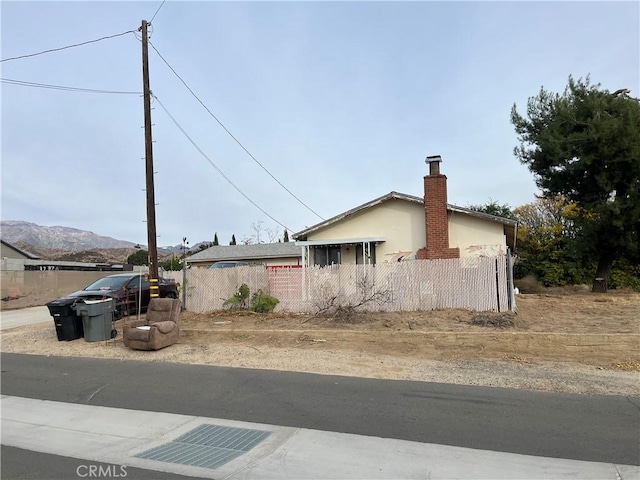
[
  {"x": 377, "y": 201},
  {"x": 253, "y": 257}
]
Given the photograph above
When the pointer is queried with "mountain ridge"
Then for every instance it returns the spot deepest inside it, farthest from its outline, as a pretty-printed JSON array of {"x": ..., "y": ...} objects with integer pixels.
[
  {"x": 72, "y": 244},
  {"x": 57, "y": 237}
]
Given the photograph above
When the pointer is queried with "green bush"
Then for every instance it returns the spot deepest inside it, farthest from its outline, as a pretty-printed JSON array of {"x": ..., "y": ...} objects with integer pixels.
[
  {"x": 625, "y": 275},
  {"x": 263, "y": 303},
  {"x": 239, "y": 299},
  {"x": 260, "y": 302}
]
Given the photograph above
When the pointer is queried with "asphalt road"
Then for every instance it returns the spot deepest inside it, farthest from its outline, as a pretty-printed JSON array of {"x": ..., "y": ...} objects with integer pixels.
[{"x": 593, "y": 428}]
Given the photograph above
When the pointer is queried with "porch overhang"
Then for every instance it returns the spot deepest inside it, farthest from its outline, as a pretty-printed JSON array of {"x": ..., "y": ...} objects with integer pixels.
[{"x": 342, "y": 241}]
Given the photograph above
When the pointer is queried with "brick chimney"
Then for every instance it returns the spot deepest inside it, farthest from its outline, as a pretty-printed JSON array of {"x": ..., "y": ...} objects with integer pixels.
[{"x": 435, "y": 209}]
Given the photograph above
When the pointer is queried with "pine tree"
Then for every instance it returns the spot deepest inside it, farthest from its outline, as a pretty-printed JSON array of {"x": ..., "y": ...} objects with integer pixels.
[
  {"x": 584, "y": 144},
  {"x": 215, "y": 239},
  {"x": 286, "y": 235},
  {"x": 233, "y": 240}
]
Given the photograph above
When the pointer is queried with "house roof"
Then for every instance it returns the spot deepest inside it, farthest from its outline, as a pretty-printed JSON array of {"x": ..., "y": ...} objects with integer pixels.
[
  {"x": 27, "y": 254},
  {"x": 246, "y": 252},
  {"x": 510, "y": 226}
]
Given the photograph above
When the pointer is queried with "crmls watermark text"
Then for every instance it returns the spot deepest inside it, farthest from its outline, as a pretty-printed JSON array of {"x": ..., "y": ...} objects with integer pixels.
[{"x": 101, "y": 471}]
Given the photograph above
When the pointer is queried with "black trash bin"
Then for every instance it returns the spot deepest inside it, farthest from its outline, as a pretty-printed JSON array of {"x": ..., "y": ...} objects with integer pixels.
[{"x": 68, "y": 324}]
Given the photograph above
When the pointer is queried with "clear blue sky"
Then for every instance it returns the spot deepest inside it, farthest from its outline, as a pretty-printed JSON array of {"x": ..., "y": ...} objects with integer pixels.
[{"x": 341, "y": 102}]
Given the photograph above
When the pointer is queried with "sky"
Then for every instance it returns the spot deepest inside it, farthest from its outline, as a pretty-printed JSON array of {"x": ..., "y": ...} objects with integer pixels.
[{"x": 339, "y": 101}]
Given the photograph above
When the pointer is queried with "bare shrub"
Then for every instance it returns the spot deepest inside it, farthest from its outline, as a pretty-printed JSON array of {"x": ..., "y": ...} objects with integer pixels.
[{"x": 334, "y": 303}]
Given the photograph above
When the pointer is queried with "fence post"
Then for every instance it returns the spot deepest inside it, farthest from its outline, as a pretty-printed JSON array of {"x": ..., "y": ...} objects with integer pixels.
[
  {"x": 511, "y": 297},
  {"x": 497, "y": 286},
  {"x": 184, "y": 285}
]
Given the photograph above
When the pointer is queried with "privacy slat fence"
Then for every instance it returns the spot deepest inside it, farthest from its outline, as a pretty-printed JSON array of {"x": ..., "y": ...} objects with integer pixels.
[{"x": 480, "y": 284}]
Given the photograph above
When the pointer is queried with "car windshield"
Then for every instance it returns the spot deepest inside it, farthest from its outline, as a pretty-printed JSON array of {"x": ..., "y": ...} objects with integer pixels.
[
  {"x": 108, "y": 283},
  {"x": 228, "y": 264}
]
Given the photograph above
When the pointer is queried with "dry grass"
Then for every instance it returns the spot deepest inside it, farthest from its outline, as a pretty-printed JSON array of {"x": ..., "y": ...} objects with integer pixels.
[{"x": 440, "y": 345}]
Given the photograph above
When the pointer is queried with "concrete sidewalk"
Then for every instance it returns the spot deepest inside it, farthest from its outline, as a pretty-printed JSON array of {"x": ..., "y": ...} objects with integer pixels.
[
  {"x": 216, "y": 448},
  {"x": 24, "y": 316}
]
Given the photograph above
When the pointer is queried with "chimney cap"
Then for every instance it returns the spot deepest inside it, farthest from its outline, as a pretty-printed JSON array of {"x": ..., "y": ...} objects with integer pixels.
[{"x": 434, "y": 164}]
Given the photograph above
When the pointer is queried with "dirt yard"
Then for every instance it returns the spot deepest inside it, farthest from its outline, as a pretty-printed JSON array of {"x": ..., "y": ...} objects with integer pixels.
[{"x": 564, "y": 342}]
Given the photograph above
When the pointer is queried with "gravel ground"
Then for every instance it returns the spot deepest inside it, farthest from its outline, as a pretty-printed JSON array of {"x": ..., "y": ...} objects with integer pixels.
[{"x": 509, "y": 372}]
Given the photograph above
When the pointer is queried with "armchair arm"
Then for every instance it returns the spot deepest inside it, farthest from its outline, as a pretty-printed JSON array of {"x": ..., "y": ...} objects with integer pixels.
[
  {"x": 135, "y": 323},
  {"x": 131, "y": 325},
  {"x": 164, "y": 327}
]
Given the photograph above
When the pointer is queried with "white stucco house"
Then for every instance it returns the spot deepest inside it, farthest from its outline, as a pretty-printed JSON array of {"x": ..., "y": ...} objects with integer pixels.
[
  {"x": 397, "y": 227},
  {"x": 391, "y": 228}
]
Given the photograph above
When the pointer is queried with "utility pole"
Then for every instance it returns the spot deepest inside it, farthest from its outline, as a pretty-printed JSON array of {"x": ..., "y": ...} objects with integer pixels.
[
  {"x": 185, "y": 247},
  {"x": 148, "y": 150}
]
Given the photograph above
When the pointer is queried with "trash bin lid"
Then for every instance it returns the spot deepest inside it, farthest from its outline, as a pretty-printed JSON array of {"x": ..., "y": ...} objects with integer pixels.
[{"x": 61, "y": 302}]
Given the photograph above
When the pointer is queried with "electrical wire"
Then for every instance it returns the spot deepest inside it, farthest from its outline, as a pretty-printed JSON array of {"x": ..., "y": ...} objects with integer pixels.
[
  {"x": 233, "y": 137},
  {"x": 68, "y": 46},
  {"x": 154, "y": 15},
  {"x": 23, "y": 83},
  {"x": 216, "y": 167}
]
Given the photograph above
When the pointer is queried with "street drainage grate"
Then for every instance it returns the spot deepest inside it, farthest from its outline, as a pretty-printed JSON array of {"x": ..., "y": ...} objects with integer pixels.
[{"x": 208, "y": 446}]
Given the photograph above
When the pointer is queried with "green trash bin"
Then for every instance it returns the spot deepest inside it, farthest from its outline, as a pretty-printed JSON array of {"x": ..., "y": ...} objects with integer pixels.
[{"x": 97, "y": 318}]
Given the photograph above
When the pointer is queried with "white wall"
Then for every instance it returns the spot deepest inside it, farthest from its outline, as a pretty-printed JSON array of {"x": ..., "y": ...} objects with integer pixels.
[
  {"x": 402, "y": 224},
  {"x": 476, "y": 237},
  {"x": 399, "y": 222}
]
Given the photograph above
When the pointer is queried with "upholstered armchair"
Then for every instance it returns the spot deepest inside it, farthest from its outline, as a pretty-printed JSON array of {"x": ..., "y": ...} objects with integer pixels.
[{"x": 160, "y": 327}]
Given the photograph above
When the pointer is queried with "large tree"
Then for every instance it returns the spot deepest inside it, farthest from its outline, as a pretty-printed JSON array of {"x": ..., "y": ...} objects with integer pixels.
[
  {"x": 584, "y": 144},
  {"x": 140, "y": 257},
  {"x": 546, "y": 243},
  {"x": 493, "y": 208}
]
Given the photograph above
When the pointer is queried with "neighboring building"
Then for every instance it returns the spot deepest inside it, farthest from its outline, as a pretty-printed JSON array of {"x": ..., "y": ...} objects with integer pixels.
[
  {"x": 269, "y": 254},
  {"x": 398, "y": 227},
  {"x": 11, "y": 251},
  {"x": 15, "y": 259}
]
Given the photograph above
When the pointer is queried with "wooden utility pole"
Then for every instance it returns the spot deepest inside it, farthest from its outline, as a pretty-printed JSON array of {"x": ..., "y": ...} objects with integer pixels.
[{"x": 148, "y": 150}]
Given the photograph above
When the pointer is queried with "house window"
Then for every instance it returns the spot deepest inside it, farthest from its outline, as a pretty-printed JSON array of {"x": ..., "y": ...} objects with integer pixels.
[
  {"x": 325, "y": 255},
  {"x": 370, "y": 250}
]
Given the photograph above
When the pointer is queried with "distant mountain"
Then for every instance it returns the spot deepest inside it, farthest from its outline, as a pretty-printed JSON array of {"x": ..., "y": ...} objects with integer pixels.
[
  {"x": 62, "y": 238},
  {"x": 95, "y": 255},
  {"x": 177, "y": 249}
]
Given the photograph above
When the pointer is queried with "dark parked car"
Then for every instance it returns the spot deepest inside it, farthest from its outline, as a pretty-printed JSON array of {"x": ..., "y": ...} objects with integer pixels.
[
  {"x": 129, "y": 290},
  {"x": 229, "y": 264}
]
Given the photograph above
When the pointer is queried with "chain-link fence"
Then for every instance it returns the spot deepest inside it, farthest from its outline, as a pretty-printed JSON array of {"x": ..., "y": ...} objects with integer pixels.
[{"x": 480, "y": 284}]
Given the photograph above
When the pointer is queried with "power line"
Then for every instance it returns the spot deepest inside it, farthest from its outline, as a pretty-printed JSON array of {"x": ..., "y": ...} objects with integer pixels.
[
  {"x": 68, "y": 46},
  {"x": 233, "y": 137},
  {"x": 216, "y": 167},
  {"x": 23, "y": 83},
  {"x": 154, "y": 15}
]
